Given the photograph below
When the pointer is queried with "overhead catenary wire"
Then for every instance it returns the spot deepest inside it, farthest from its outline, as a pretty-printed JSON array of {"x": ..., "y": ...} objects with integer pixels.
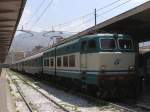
[
  {"x": 105, "y": 6},
  {"x": 35, "y": 12},
  {"x": 43, "y": 12},
  {"x": 99, "y": 15},
  {"x": 69, "y": 24},
  {"x": 113, "y": 8}
]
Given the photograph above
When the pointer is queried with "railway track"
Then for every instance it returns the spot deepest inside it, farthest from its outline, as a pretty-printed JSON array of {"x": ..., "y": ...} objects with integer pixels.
[
  {"x": 120, "y": 106},
  {"x": 21, "y": 94},
  {"x": 28, "y": 104}
]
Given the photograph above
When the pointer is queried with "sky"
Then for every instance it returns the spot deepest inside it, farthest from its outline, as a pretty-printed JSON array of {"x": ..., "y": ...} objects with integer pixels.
[{"x": 71, "y": 12}]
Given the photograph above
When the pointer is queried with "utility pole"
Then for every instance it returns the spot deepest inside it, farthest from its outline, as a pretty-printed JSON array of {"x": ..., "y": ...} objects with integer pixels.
[{"x": 95, "y": 14}]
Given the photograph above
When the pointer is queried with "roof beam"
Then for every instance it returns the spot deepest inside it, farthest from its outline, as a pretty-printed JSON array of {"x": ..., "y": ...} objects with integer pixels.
[
  {"x": 7, "y": 11},
  {"x": 3, "y": 30},
  {"x": 4, "y": 41},
  {"x": 7, "y": 44},
  {"x": 6, "y": 26},
  {"x": 9, "y": 0},
  {"x": 7, "y": 20},
  {"x": 4, "y": 38},
  {"x": 5, "y": 33}
]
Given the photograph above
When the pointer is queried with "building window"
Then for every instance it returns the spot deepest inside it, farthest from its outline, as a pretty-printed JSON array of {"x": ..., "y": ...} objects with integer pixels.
[
  {"x": 92, "y": 44},
  {"x": 65, "y": 61},
  {"x": 59, "y": 61},
  {"x": 72, "y": 61},
  {"x": 52, "y": 62}
]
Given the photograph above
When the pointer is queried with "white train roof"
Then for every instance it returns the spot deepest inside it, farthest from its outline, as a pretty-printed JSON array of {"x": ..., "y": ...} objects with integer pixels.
[{"x": 30, "y": 57}]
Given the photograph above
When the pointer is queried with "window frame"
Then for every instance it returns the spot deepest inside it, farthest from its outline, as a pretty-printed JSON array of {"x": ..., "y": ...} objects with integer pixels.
[
  {"x": 70, "y": 61},
  {"x": 108, "y": 49},
  {"x": 125, "y": 39},
  {"x": 51, "y": 65},
  {"x": 95, "y": 47},
  {"x": 60, "y": 61},
  {"x": 67, "y": 61},
  {"x": 46, "y": 62},
  {"x": 86, "y": 45}
]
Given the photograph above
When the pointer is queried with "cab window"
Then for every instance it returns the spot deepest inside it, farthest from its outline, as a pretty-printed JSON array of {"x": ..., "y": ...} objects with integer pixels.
[
  {"x": 125, "y": 44},
  {"x": 84, "y": 45},
  {"x": 107, "y": 44},
  {"x": 92, "y": 44}
]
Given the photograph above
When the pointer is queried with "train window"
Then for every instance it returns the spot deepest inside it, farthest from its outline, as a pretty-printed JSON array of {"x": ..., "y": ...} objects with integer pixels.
[
  {"x": 92, "y": 44},
  {"x": 44, "y": 62},
  {"x": 125, "y": 44},
  {"x": 59, "y": 61},
  {"x": 47, "y": 62},
  {"x": 52, "y": 62},
  {"x": 72, "y": 61},
  {"x": 84, "y": 46},
  {"x": 74, "y": 46},
  {"x": 108, "y": 44},
  {"x": 65, "y": 61}
]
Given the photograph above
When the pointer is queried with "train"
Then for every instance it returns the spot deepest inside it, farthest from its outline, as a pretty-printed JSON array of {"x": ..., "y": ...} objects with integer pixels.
[
  {"x": 144, "y": 68},
  {"x": 104, "y": 63}
]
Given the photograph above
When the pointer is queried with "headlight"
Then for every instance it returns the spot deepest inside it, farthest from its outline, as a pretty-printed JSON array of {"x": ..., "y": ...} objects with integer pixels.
[
  {"x": 131, "y": 68},
  {"x": 103, "y": 67}
]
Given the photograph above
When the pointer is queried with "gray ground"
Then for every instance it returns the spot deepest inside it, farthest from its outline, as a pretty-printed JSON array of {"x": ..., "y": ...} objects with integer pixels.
[{"x": 6, "y": 102}]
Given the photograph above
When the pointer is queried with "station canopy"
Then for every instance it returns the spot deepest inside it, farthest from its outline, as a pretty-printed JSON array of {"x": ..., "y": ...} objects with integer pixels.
[
  {"x": 10, "y": 13},
  {"x": 135, "y": 22}
]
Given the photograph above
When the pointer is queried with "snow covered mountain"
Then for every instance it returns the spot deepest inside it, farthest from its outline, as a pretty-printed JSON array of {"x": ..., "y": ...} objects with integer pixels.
[{"x": 26, "y": 42}]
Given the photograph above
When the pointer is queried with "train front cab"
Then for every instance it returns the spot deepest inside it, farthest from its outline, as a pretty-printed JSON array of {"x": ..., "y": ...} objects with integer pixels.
[{"x": 108, "y": 61}]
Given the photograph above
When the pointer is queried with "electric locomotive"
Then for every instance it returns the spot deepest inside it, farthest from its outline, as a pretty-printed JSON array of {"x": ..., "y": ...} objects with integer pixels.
[
  {"x": 102, "y": 62},
  {"x": 105, "y": 62}
]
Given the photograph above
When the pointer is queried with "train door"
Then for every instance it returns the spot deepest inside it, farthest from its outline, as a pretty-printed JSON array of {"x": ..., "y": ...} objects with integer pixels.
[{"x": 83, "y": 56}]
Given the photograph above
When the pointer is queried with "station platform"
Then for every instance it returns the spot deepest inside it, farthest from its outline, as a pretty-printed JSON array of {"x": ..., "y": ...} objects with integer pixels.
[{"x": 6, "y": 101}]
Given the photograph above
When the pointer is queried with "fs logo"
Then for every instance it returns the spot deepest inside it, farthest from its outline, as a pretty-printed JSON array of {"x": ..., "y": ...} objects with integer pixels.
[{"x": 117, "y": 61}]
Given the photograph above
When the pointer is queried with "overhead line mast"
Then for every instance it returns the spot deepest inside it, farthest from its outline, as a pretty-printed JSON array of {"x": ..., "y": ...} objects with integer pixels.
[{"x": 108, "y": 5}]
